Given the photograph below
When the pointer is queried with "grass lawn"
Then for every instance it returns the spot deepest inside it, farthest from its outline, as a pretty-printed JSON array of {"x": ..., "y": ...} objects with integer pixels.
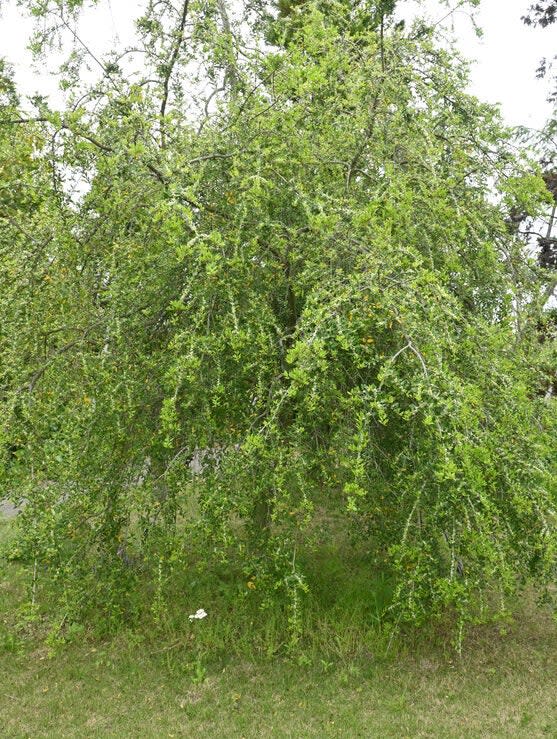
[{"x": 501, "y": 686}]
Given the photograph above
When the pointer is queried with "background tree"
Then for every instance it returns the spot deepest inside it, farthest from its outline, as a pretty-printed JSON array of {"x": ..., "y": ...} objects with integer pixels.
[{"x": 544, "y": 15}]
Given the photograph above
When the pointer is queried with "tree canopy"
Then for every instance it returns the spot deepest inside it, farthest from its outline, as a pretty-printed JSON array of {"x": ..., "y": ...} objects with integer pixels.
[{"x": 263, "y": 289}]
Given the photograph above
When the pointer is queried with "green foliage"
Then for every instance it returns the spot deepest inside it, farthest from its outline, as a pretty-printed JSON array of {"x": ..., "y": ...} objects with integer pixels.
[{"x": 301, "y": 312}]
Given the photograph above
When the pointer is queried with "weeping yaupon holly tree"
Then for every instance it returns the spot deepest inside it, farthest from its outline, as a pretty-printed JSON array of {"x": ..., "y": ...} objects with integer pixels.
[{"x": 261, "y": 288}]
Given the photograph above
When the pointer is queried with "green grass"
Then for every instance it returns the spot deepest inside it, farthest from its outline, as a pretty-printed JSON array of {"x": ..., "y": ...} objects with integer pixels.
[{"x": 131, "y": 686}]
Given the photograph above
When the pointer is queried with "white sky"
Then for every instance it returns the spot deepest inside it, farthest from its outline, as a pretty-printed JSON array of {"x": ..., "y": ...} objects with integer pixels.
[{"x": 506, "y": 57}]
